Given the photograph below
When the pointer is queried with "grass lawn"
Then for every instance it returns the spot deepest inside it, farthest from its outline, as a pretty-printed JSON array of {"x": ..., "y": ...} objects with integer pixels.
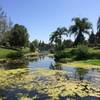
[
  {"x": 4, "y": 52},
  {"x": 92, "y": 62},
  {"x": 84, "y": 64}
]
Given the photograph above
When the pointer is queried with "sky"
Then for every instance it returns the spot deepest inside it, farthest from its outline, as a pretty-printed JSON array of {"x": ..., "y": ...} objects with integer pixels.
[{"x": 42, "y": 17}]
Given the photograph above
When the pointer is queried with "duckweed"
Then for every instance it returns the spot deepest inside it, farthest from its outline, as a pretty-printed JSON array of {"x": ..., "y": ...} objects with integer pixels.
[{"x": 25, "y": 84}]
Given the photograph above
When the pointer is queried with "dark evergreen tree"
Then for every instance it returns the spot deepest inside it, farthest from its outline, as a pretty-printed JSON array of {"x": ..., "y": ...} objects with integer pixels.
[
  {"x": 18, "y": 36},
  {"x": 92, "y": 39}
]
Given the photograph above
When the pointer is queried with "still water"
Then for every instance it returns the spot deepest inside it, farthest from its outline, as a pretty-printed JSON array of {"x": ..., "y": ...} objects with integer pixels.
[{"x": 46, "y": 62}]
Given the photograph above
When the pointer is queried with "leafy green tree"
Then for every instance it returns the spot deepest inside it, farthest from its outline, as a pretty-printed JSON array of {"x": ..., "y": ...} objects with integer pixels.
[
  {"x": 42, "y": 46},
  {"x": 92, "y": 39},
  {"x": 32, "y": 47},
  {"x": 79, "y": 28},
  {"x": 56, "y": 37},
  {"x": 18, "y": 36},
  {"x": 35, "y": 43}
]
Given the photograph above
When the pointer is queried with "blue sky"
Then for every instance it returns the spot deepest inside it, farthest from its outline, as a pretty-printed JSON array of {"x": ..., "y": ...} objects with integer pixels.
[{"x": 41, "y": 17}]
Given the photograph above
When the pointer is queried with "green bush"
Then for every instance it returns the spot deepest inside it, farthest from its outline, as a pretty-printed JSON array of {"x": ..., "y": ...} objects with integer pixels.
[
  {"x": 81, "y": 53},
  {"x": 51, "y": 51},
  {"x": 59, "y": 55},
  {"x": 15, "y": 55}
]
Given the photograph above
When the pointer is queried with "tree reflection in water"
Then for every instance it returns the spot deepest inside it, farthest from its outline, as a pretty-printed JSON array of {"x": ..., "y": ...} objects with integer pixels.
[
  {"x": 56, "y": 66},
  {"x": 80, "y": 73}
]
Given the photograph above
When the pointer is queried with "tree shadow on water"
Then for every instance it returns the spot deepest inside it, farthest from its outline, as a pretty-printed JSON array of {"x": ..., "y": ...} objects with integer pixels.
[
  {"x": 12, "y": 94},
  {"x": 79, "y": 98}
]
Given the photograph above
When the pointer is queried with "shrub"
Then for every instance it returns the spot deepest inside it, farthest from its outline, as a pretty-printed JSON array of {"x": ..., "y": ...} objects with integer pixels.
[
  {"x": 51, "y": 51},
  {"x": 81, "y": 53},
  {"x": 59, "y": 55},
  {"x": 15, "y": 55}
]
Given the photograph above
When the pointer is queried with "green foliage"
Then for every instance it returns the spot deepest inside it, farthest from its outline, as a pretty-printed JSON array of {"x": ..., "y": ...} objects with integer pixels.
[
  {"x": 32, "y": 47},
  {"x": 15, "y": 55},
  {"x": 62, "y": 54},
  {"x": 4, "y": 52},
  {"x": 35, "y": 43},
  {"x": 80, "y": 27},
  {"x": 56, "y": 37},
  {"x": 26, "y": 50},
  {"x": 79, "y": 39},
  {"x": 92, "y": 39},
  {"x": 18, "y": 36},
  {"x": 81, "y": 52},
  {"x": 93, "y": 62},
  {"x": 67, "y": 43},
  {"x": 51, "y": 51}
]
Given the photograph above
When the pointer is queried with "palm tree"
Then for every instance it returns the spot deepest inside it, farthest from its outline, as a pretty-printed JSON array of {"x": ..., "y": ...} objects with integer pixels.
[
  {"x": 79, "y": 28},
  {"x": 56, "y": 36}
]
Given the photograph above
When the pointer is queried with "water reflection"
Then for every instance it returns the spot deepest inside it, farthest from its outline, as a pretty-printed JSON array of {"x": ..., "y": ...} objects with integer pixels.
[
  {"x": 8, "y": 66},
  {"x": 56, "y": 66},
  {"x": 80, "y": 73},
  {"x": 46, "y": 62}
]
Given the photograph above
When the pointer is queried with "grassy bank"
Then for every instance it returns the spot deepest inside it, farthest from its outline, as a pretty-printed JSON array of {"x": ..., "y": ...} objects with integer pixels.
[
  {"x": 4, "y": 52},
  {"x": 84, "y": 64},
  {"x": 80, "y": 57},
  {"x": 40, "y": 84}
]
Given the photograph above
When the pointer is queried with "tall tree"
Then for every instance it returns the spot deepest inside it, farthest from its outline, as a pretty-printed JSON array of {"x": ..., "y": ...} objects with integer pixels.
[
  {"x": 56, "y": 37},
  {"x": 79, "y": 28},
  {"x": 92, "y": 39},
  {"x": 35, "y": 43},
  {"x": 18, "y": 36}
]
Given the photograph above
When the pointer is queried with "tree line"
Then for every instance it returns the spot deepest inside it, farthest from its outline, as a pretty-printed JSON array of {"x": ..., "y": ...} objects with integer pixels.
[
  {"x": 16, "y": 36},
  {"x": 79, "y": 28}
]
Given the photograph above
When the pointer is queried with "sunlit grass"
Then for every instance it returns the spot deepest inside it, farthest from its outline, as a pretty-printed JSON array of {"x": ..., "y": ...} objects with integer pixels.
[
  {"x": 93, "y": 63},
  {"x": 4, "y": 52}
]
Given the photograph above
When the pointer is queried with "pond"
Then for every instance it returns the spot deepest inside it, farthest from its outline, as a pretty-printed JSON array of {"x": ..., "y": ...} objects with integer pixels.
[
  {"x": 46, "y": 62},
  {"x": 25, "y": 82}
]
